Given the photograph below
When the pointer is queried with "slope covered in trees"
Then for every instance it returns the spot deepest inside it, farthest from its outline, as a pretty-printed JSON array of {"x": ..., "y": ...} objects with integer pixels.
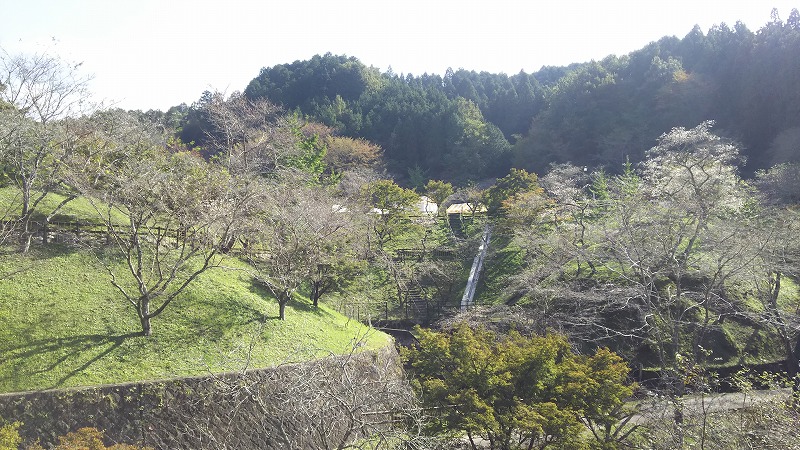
[
  {"x": 466, "y": 126},
  {"x": 607, "y": 111},
  {"x": 421, "y": 122}
]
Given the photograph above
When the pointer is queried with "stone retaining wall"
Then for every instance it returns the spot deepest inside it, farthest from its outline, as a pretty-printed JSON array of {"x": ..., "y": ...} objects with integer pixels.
[{"x": 306, "y": 405}]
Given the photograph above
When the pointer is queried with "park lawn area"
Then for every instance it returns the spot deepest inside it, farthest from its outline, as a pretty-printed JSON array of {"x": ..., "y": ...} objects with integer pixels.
[
  {"x": 63, "y": 324},
  {"x": 79, "y": 209}
]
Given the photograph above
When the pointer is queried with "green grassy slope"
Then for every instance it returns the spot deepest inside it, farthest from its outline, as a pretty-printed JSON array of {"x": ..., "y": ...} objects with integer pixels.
[
  {"x": 504, "y": 260},
  {"x": 63, "y": 324},
  {"x": 79, "y": 208}
]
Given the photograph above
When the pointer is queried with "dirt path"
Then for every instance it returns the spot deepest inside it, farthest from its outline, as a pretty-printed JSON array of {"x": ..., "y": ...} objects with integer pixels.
[{"x": 708, "y": 403}]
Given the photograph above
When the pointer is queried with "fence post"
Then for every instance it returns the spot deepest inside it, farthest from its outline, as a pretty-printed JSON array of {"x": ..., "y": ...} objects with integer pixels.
[{"x": 45, "y": 232}]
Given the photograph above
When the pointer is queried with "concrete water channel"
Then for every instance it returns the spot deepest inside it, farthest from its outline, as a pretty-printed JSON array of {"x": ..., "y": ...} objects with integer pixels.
[{"x": 477, "y": 266}]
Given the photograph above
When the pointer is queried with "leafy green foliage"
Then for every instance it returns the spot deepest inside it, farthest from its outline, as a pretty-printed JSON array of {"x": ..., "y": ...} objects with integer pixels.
[
  {"x": 345, "y": 153},
  {"x": 312, "y": 155},
  {"x": 438, "y": 191},
  {"x": 516, "y": 183},
  {"x": 390, "y": 204},
  {"x": 9, "y": 436},
  {"x": 516, "y": 389},
  {"x": 419, "y": 122},
  {"x": 313, "y": 83},
  {"x": 338, "y": 271},
  {"x": 458, "y": 127}
]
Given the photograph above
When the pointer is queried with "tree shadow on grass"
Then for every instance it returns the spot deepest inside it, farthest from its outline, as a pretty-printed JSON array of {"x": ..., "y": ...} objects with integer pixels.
[
  {"x": 115, "y": 341},
  {"x": 298, "y": 303},
  {"x": 305, "y": 306},
  {"x": 53, "y": 250},
  {"x": 29, "y": 261},
  {"x": 218, "y": 318},
  {"x": 23, "y": 357}
]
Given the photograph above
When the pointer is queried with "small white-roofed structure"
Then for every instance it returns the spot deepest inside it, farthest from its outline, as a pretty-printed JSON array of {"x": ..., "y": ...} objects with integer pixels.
[
  {"x": 427, "y": 206},
  {"x": 424, "y": 206},
  {"x": 465, "y": 208}
]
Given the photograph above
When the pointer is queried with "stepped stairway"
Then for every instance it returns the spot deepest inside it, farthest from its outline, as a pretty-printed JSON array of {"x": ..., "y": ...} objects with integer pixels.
[{"x": 415, "y": 301}]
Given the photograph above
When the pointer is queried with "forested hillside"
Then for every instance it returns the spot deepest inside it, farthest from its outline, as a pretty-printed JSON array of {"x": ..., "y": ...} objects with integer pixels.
[{"x": 466, "y": 126}]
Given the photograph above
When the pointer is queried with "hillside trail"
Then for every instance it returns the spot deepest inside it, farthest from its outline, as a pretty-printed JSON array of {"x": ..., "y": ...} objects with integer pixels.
[
  {"x": 697, "y": 404},
  {"x": 658, "y": 408}
]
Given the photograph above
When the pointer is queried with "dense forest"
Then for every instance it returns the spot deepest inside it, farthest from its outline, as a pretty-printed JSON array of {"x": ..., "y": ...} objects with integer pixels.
[{"x": 468, "y": 126}]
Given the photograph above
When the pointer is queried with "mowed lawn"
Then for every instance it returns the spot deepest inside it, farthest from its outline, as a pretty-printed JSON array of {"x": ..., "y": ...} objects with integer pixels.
[{"x": 63, "y": 324}]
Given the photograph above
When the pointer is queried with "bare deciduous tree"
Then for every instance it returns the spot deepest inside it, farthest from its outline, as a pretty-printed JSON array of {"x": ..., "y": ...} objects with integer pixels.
[
  {"x": 779, "y": 185},
  {"x": 252, "y": 136},
  {"x": 40, "y": 93},
  {"x": 178, "y": 213},
  {"x": 776, "y": 256},
  {"x": 296, "y": 236},
  {"x": 641, "y": 257},
  {"x": 42, "y": 87}
]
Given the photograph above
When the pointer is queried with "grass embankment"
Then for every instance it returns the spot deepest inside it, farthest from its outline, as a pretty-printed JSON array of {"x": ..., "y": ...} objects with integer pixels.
[
  {"x": 504, "y": 260},
  {"x": 63, "y": 324},
  {"x": 79, "y": 209}
]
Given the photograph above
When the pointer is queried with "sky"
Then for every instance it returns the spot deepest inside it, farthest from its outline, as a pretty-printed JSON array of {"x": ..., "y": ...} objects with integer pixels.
[{"x": 154, "y": 54}]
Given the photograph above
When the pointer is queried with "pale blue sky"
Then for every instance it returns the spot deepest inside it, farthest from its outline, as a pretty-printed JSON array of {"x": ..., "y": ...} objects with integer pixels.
[{"x": 158, "y": 53}]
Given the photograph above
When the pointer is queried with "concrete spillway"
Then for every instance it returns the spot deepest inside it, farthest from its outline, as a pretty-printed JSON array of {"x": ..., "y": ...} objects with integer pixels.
[{"x": 475, "y": 273}]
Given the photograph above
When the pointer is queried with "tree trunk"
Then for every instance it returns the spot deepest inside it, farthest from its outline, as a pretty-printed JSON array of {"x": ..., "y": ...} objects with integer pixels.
[
  {"x": 282, "y": 301},
  {"x": 792, "y": 351},
  {"x": 793, "y": 367},
  {"x": 26, "y": 239},
  {"x": 144, "y": 316},
  {"x": 145, "y": 321},
  {"x": 315, "y": 294},
  {"x": 25, "y": 217},
  {"x": 471, "y": 440}
]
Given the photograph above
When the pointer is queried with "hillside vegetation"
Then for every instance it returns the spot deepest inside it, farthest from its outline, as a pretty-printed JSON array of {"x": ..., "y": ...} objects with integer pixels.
[
  {"x": 64, "y": 325},
  {"x": 465, "y": 125}
]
